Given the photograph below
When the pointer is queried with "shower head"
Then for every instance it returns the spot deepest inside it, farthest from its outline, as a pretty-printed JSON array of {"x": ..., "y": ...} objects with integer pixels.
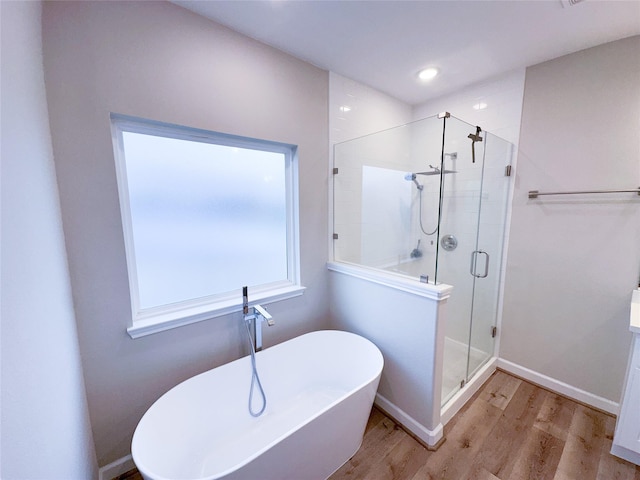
[
  {"x": 411, "y": 177},
  {"x": 436, "y": 171}
]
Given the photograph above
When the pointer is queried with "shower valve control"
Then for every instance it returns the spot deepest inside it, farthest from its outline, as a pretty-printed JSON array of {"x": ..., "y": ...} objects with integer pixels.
[{"x": 449, "y": 242}]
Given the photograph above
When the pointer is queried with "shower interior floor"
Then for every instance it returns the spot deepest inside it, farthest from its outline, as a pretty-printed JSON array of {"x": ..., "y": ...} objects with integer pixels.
[{"x": 455, "y": 365}]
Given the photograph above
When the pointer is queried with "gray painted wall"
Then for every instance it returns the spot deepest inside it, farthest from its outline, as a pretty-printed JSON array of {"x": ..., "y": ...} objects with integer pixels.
[
  {"x": 158, "y": 61},
  {"x": 573, "y": 262},
  {"x": 44, "y": 423}
]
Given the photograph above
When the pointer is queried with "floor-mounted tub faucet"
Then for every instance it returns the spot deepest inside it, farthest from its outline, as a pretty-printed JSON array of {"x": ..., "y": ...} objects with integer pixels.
[{"x": 254, "y": 316}]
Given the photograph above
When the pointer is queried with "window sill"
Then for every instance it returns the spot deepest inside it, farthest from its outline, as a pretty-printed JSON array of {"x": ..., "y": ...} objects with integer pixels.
[{"x": 162, "y": 321}]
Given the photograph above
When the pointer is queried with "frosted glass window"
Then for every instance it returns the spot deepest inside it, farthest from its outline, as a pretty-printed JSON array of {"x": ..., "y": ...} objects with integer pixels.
[{"x": 204, "y": 214}]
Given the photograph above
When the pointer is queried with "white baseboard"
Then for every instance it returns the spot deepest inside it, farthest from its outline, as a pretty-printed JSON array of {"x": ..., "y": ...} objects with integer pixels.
[
  {"x": 429, "y": 437},
  {"x": 116, "y": 468},
  {"x": 562, "y": 388}
]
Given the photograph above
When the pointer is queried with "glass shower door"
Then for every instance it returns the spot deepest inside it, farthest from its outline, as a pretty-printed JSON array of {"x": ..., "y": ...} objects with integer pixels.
[
  {"x": 471, "y": 239},
  {"x": 491, "y": 232},
  {"x": 458, "y": 246}
]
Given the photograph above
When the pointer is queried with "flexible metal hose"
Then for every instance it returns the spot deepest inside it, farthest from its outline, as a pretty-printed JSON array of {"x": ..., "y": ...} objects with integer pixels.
[
  {"x": 420, "y": 215},
  {"x": 255, "y": 378}
]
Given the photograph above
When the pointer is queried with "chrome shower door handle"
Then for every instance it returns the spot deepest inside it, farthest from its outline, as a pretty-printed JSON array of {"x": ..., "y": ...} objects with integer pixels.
[{"x": 474, "y": 262}]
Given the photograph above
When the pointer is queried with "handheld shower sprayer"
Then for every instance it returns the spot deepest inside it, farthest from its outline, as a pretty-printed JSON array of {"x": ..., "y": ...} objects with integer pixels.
[
  {"x": 245, "y": 301},
  {"x": 411, "y": 177}
]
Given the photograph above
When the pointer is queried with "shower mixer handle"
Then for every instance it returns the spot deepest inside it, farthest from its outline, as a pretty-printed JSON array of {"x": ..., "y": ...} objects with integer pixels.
[{"x": 474, "y": 138}]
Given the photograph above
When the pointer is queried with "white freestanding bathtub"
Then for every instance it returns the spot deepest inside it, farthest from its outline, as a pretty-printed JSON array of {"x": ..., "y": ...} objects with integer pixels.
[{"x": 320, "y": 388}]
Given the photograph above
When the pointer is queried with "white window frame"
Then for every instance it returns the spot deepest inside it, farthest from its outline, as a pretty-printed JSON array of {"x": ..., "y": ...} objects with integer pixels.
[{"x": 156, "y": 319}]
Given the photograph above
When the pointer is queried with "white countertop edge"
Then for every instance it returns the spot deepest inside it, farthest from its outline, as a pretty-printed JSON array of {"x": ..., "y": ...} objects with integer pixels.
[{"x": 634, "y": 317}]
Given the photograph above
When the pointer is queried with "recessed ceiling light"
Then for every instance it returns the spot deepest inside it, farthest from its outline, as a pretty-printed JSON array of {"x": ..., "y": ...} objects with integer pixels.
[
  {"x": 345, "y": 108},
  {"x": 427, "y": 73},
  {"x": 480, "y": 106}
]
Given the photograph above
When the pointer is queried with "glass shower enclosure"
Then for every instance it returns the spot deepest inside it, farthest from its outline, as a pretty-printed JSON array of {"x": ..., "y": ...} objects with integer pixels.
[{"x": 428, "y": 200}]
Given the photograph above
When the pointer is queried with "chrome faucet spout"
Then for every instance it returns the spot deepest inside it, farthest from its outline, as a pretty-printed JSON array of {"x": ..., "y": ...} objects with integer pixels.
[
  {"x": 266, "y": 316},
  {"x": 254, "y": 320}
]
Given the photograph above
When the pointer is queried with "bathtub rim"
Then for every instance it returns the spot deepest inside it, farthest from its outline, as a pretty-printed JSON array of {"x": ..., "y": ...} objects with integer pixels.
[{"x": 358, "y": 387}]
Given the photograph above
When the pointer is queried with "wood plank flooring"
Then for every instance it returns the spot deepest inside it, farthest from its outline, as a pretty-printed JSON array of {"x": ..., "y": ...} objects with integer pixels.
[{"x": 510, "y": 430}]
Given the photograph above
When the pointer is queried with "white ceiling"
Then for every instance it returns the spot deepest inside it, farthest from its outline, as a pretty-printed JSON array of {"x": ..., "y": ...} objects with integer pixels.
[{"x": 384, "y": 44}]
